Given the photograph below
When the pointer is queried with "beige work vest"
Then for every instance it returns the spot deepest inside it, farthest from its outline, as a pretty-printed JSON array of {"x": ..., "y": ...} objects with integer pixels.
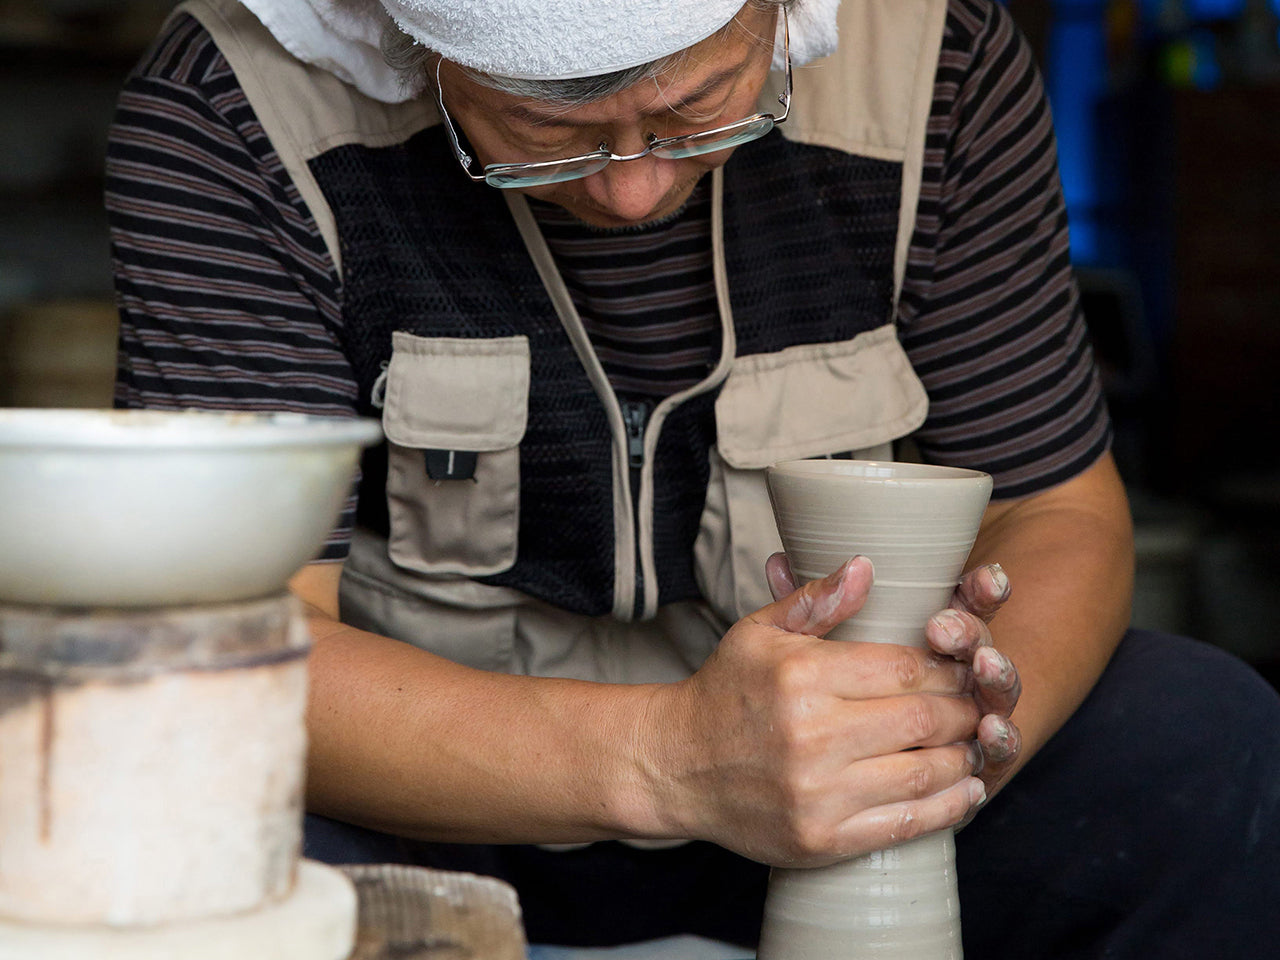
[{"x": 871, "y": 98}]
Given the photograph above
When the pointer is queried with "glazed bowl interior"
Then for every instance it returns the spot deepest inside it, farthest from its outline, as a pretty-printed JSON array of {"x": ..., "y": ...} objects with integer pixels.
[{"x": 150, "y": 508}]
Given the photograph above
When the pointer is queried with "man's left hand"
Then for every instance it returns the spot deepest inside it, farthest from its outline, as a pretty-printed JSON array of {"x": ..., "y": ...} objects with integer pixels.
[{"x": 961, "y": 633}]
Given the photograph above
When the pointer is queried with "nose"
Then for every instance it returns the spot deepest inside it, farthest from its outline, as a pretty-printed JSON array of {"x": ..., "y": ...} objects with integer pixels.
[{"x": 632, "y": 189}]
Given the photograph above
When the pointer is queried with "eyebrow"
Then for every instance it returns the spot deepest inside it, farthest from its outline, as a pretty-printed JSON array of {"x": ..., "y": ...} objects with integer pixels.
[{"x": 525, "y": 113}]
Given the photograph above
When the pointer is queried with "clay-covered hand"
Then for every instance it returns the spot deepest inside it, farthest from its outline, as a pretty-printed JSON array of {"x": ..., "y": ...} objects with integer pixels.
[
  {"x": 798, "y": 751},
  {"x": 961, "y": 632}
]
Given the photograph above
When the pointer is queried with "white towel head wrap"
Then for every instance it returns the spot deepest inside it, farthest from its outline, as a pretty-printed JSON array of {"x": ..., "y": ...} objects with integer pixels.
[
  {"x": 525, "y": 39},
  {"x": 558, "y": 39}
]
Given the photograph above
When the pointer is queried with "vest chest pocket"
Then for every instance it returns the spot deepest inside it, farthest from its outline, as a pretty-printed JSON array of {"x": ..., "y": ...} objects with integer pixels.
[
  {"x": 455, "y": 411},
  {"x": 814, "y": 400}
]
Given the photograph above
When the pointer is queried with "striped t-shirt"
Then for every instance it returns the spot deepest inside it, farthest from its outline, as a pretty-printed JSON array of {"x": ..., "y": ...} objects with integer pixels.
[
  {"x": 646, "y": 295},
  {"x": 229, "y": 298}
]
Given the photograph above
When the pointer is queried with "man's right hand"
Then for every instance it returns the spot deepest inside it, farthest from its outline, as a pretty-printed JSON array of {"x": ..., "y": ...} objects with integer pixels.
[{"x": 798, "y": 751}]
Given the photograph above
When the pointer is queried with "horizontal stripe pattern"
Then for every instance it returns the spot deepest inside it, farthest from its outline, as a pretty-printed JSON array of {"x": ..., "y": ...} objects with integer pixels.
[
  {"x": 646, "y": 295},
  {"x": 229, "y": 299},
  {"x": 989, "y": 313}
]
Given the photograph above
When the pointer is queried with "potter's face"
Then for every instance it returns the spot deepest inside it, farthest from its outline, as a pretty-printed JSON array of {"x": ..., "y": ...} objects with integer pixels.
[{"x": 718, "y": 82}]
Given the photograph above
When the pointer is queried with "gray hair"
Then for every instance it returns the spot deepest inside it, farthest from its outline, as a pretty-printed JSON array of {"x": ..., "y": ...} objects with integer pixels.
[{"x": 413, "y": 62}]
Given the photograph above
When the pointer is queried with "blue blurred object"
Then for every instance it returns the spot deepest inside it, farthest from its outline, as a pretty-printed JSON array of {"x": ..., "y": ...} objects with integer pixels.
[
  {"x": 1076, "y": 78},
  {"x": 1200, "y": 10},
  {"x": 1206, "y": 72}
]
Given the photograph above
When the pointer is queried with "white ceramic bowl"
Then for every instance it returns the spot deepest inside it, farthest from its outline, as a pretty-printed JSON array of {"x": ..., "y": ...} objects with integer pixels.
[{"x": 150, "y": 508}]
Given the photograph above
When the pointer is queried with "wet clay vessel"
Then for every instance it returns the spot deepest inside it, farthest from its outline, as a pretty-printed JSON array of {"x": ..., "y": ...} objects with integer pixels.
[{"x": 917, "y": 524}]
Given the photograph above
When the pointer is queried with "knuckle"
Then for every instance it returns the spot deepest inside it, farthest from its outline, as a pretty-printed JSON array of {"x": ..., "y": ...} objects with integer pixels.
[
  {"x": 801, "y": 740},
  {"x": 905, "y": 825},
  {"x": 793, "y": 739},
  {"x": 794, "y": 677},
  {"x": 805, "y": 833},
  {"x": 810, "y": 839},
  {"x": 920, "y": 723},
  {"x": 801, "y": 787},
  {"x": 920, "y": 779},
  {"x": 802, "y": 614},
  {"x": 975, "y": 629},
  {"x": 907, "y": 669},
  {"x": 798, "y": 790}
]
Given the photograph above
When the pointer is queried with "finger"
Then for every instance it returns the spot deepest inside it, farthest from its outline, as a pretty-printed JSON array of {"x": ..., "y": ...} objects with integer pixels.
[
  {"x": 999, "y": 685},
  {"x": 911, "y": 774},
  {"x": 839, "y": 795},
  {"x": 777, "y": 572},
  {"x": 1001, "y": 742},
  {"x": 893, "y": 823},
  {"x": 957, "y": 633},
  {"x": 820, "y": 604},
  {"x": 875, "y": 728},
  {"x": 862, "y": 671},
  {"x": 982, "y": 591}
]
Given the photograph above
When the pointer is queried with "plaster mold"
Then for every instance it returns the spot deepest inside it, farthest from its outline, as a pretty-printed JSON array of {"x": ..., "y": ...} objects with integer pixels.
[
  {"x": 316, "y": 921},
  {"x": 151, "y": 780}
]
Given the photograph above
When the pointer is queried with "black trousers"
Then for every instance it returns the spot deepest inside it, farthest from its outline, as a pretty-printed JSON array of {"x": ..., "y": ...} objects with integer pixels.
[{"x": 1149, "y": 827}]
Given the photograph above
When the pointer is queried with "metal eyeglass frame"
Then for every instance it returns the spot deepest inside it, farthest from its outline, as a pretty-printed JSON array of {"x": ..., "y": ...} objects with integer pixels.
[{"x": 517, "y": 175}]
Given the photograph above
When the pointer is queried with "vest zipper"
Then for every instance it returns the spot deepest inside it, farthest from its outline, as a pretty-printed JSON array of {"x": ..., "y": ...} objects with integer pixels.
[{"x": 635, "y": 417}]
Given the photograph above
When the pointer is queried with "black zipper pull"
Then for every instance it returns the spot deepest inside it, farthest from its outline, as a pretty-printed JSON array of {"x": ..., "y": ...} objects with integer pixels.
[{"x": 635, "y": 414}]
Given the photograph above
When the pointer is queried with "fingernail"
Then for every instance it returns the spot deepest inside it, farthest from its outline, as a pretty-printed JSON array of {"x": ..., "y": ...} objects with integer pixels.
[
  {"x": 836, "y": 577},
  {"x": 977, "y": 792},
  {"x": 1006, "y": 668},
  {"x": 870, "y": 566},
  {"x": 950, "y": 624},
  {"x": 1001, "y": 730},
  {"x": 995, "y": 667},
  {"x": 999, "y": 579},
  {"x": 976, "y": 758}
]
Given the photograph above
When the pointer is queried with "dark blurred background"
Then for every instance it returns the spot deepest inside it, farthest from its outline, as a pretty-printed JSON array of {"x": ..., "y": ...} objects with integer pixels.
[{"x": 1168, "y": 117}]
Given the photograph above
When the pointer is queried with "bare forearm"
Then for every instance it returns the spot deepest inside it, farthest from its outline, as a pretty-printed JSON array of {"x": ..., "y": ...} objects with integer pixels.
[
  {"x": 1069, "y": 557},
  {"x": 407, "y": 742},
  {"x": 783, "y": 746}
]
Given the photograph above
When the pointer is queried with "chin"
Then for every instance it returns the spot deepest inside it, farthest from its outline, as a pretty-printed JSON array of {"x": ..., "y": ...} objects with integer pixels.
[{"x": 595, "y": 216}]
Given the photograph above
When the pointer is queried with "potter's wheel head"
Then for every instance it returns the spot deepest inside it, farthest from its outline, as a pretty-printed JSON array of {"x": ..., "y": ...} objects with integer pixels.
[{"x": 151, "y": 508}]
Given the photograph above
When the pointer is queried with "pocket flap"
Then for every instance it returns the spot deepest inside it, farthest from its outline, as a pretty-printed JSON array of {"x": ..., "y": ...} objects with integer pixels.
[
  {"x": 454, "y": 393},
  {"x": 816, "y": 399}
]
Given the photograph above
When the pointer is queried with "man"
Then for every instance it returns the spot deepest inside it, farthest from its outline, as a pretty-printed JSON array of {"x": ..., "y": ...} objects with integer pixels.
[{"x": 555, "y": 623}]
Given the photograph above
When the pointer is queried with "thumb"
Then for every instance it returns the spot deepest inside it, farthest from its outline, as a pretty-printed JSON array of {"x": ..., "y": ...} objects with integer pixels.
[
  {"x": 821, "y": 604},
  {"x": 777, "y": 573}
]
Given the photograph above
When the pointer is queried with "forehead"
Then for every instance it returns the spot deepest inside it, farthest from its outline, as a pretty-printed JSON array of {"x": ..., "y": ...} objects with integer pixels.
[{"x": 694, "y": 77}]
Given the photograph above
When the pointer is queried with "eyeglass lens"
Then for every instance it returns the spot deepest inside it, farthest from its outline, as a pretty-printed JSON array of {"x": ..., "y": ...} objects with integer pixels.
[
  {"x": 517, "y": 175},
  {"x": 695, "y": 145},
  {"x": 699, "y": 144}
]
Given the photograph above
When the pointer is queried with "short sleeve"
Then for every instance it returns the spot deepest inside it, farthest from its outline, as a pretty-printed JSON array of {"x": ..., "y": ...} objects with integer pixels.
[
  {"x": 228, "y": 298},
  {"x": 989, "y": 313}
]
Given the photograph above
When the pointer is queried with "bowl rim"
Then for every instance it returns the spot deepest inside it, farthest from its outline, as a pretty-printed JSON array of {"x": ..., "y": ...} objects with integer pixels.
[
  {"x": 188, "y": 429},
  {"x": 875, "y": 471}
]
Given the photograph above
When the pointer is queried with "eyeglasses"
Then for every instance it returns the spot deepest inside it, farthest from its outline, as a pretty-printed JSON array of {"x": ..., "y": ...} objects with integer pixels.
[{"x": 514, "y": 175}]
